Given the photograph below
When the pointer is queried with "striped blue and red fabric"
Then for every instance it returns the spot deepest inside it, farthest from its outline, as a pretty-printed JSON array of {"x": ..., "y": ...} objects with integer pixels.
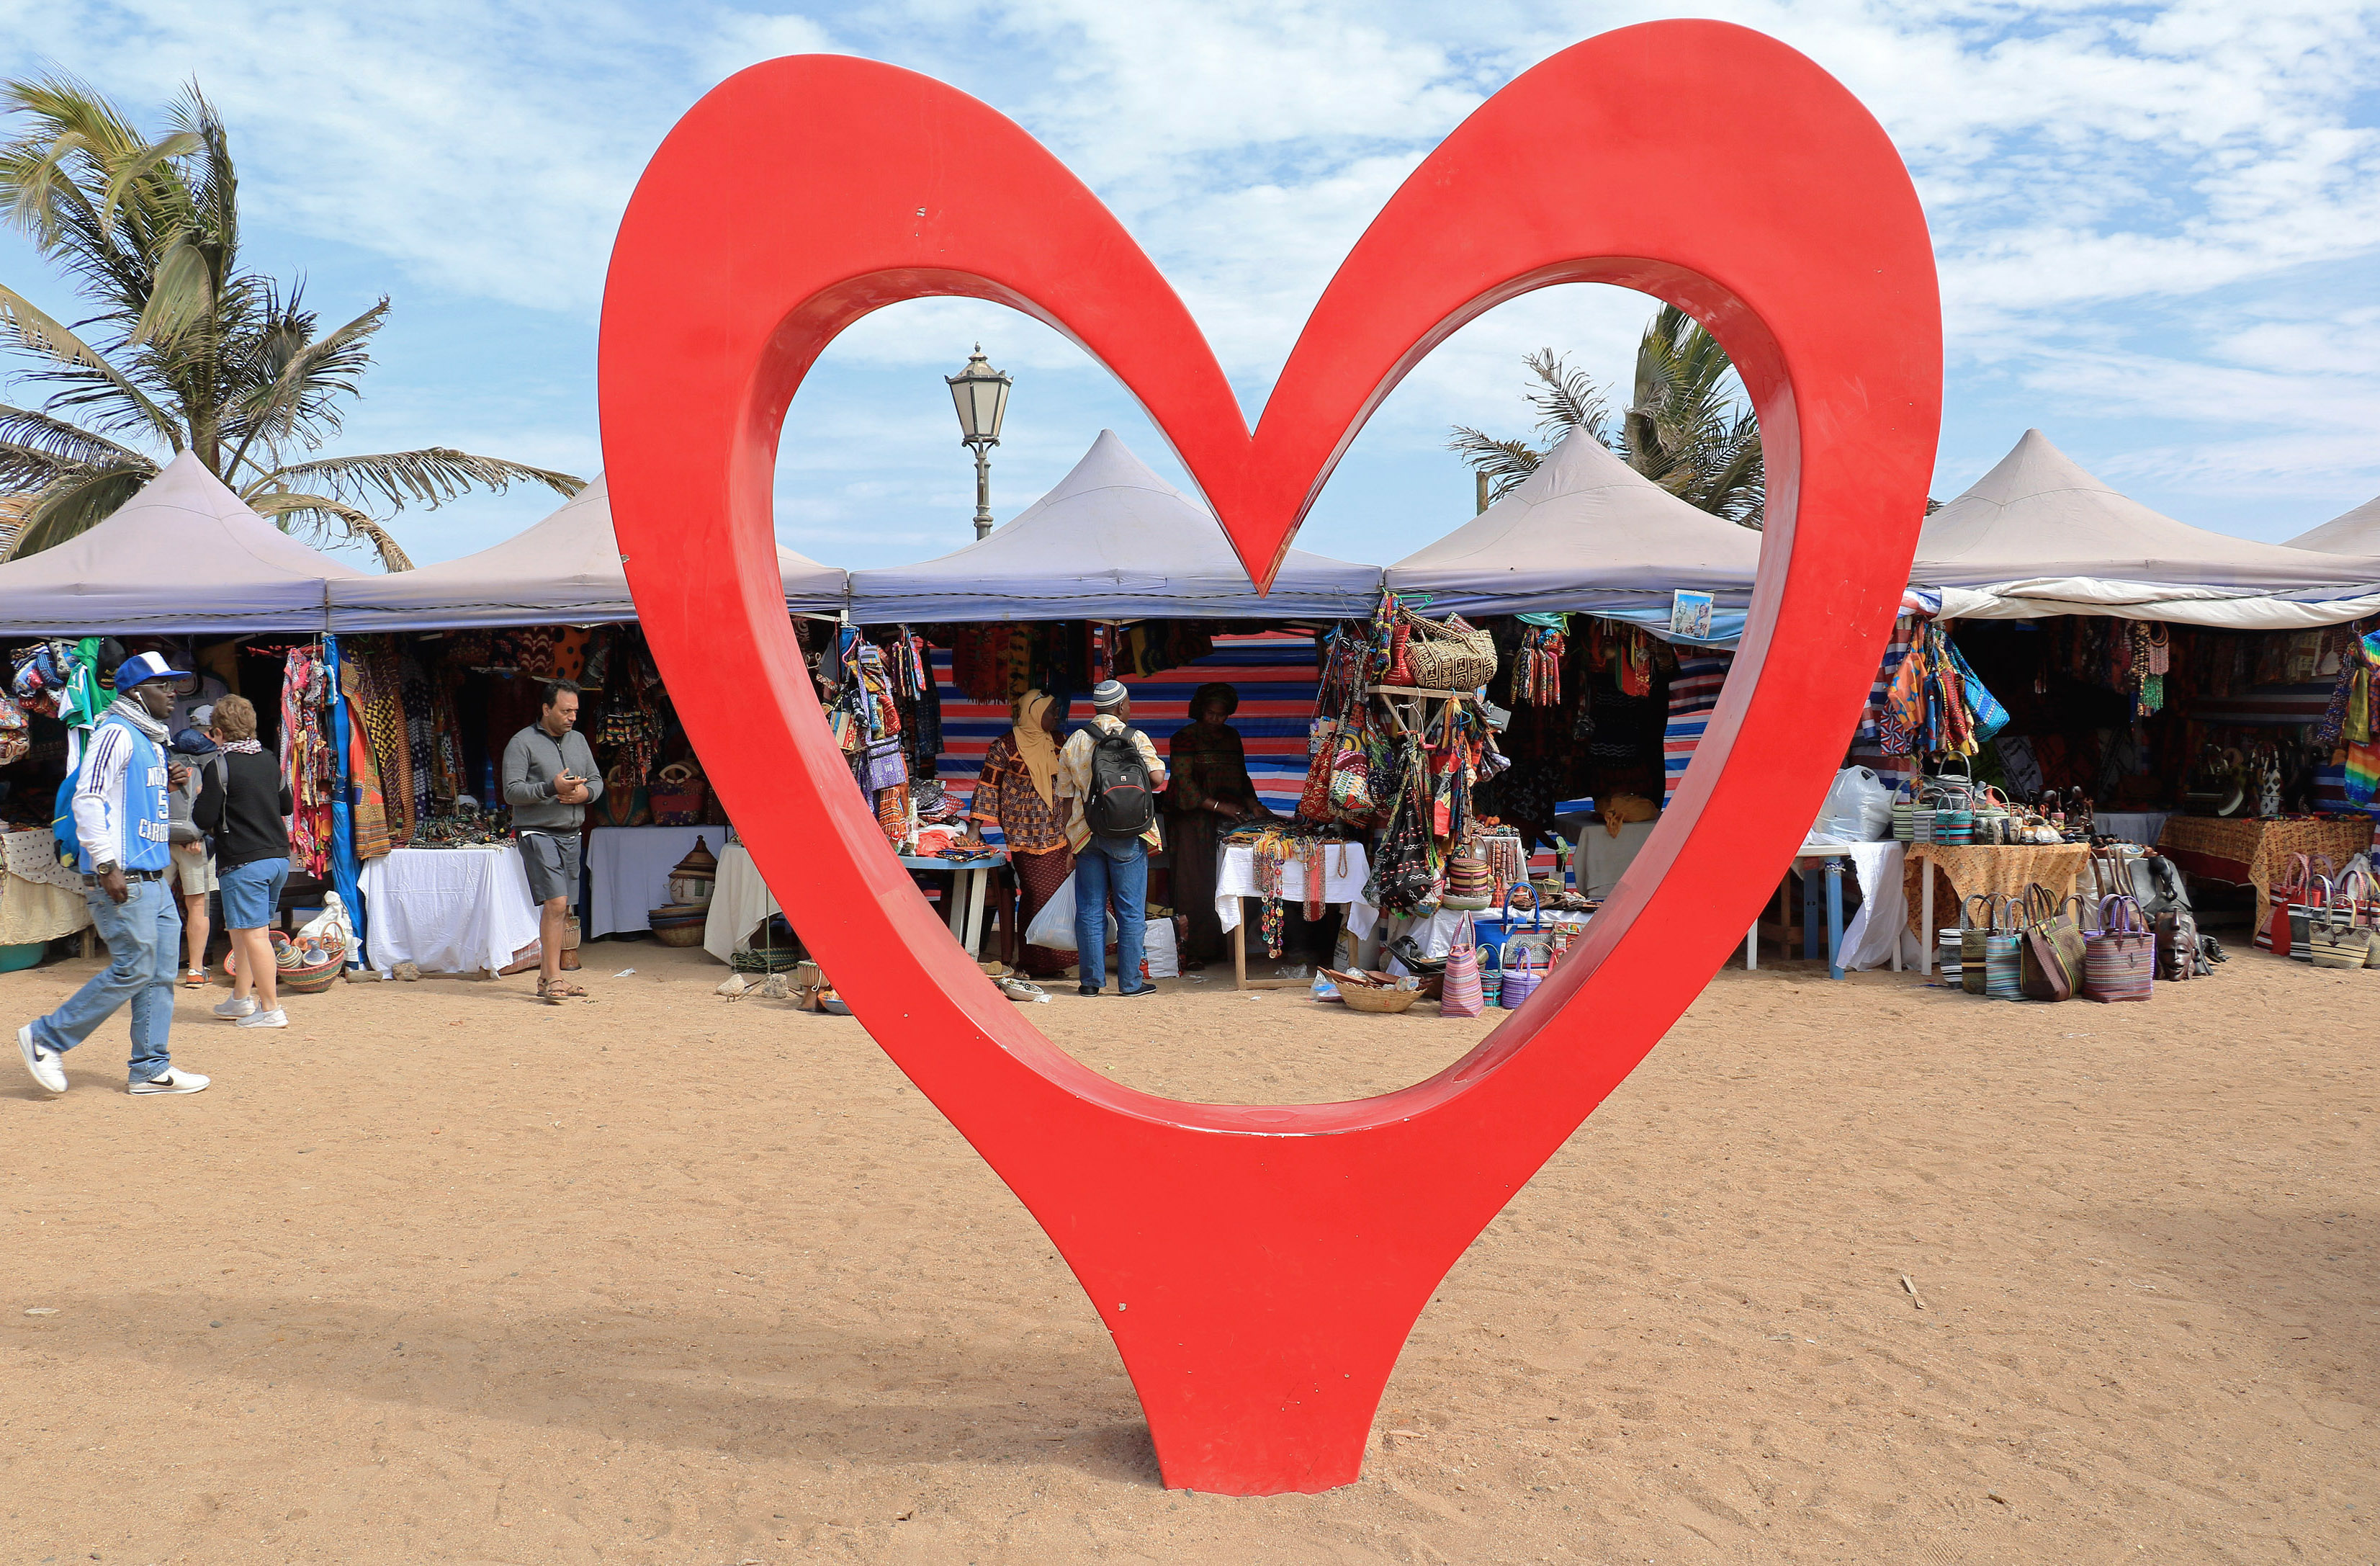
[
  {"x": 1693, "y": 692},
  {"x": 1273, "y": 671}
]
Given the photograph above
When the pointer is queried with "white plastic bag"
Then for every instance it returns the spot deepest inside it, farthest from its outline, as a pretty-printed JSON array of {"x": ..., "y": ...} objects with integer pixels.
[
  {"x": 1158, "y": 954},
  {"x": 1858, "y": 808},
  {"x": 1053, "y": 928}
]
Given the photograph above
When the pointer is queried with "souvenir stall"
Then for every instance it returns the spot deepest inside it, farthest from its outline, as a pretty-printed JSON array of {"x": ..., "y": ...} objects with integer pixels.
[
  {"x": 2080, "y": 670},
  {"x": 183, "y": 567},
  {"x": 446, "y": 663},
  {"x": 1113, "y": 573},
  {"x": 1579, "y": 575}
]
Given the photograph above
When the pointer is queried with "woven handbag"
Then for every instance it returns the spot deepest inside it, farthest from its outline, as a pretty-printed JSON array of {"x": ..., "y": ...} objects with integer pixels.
[
  {"x": 1461, "y": 996},
  {"x": 2293, "y": 890},
  {"x": 1520, "y": 979},
  {"x": 2332, "y": 939},
  {"x": 1972, "y": 937},
  {"x": 1954, "y": 817},
  {"x": 2051, "y": 951},
  {"x": 2003, "y": 966},
  {"x": 1991, "y": 817},
  {"x": 1449, "y": 655},
  {"x": 2119, "y": 963}
]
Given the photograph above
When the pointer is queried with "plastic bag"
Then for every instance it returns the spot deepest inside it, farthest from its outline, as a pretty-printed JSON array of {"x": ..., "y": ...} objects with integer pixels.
[
  {"x": 1858, "y": 808},
  {"x": 1053, "y": 928},
  {"x": 1159, "y": 957}
]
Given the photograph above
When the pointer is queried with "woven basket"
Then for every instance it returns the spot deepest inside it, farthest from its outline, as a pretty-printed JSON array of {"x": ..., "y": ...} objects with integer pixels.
[
  {"x": 678, "y": 934},
  {"x": 1372, "y": 997},
  {"x": 1450, "y": 655}
]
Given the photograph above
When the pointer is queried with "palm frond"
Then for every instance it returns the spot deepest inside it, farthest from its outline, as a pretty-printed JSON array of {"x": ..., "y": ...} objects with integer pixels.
[
  {"x": 182, "y": 294},
  {"x": 75, "y": 504},
  {"x": 1566, "y": 399},
  {"x": 432, "y": 475},
  {"x": 38, "y": 332},
  {"x": 1505, "y": 463},
  {"x": 329, "y": 517},
  {"x": 288, "y": 382}
]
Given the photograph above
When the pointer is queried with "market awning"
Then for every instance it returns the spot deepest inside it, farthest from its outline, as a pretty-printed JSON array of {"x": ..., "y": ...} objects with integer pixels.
[
  {"x": 562, "y": 571},
  {"x": 2038, "y": 535},
  {"x": 2350, "y": 533},
  {"x": 184, "y": 555},
  {"x": 1588, "y": 533},
  {"x": 1111, "y": 541}
]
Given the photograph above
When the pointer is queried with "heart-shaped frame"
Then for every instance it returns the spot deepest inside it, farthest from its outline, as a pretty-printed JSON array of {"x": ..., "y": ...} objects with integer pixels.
[{"x": 1259, "y": 1268}]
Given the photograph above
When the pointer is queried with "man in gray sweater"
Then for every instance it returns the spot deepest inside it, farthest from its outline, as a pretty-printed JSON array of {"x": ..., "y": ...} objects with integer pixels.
[{"x": 548, "y": 777}]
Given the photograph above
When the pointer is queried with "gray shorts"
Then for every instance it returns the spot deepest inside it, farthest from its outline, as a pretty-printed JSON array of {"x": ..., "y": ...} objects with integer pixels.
[{"x": 552, "y": 859}]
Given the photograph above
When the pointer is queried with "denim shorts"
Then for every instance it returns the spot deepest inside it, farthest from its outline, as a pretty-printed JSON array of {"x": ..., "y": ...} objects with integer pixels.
[{"x": 252, "y": 893}]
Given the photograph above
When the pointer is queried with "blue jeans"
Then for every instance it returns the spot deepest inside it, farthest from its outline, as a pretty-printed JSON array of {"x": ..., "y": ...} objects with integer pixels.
[
  {"x": 1105, "y": 873},
  {"x": 144, "y": 939}
]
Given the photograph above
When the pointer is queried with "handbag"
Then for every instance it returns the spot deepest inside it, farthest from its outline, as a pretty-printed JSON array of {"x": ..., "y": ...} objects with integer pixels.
[
  {"x": 1972, "y": 939},
  {"x": 1520, "y": 979},
  {"x": 1954, "y": 817},
  {"x": 1401, "y": 879},
  {"x": 2332, "y": 939},
  {"x": 2294, "y": 889},
  {"x": 2003, "y": 948},
  {"x": 2051, "y": 953},
  {"x": 1459, "y": 996},
  {"x": 679, "y": 803},
  {"x": 1991, "y": 817},
  {"x": 623, "y": 803},
  {"x": 2120, "y": 962},
  {"x": 1449, "y": 655}
]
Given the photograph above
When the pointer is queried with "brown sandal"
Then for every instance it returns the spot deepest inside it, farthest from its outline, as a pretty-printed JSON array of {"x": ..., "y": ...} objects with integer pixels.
[{"x": 553, "y": 992}]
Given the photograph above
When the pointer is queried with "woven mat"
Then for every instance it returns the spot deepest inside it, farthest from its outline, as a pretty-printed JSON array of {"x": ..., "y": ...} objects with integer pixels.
[
  {"x": 2258, "y": 852},
  {"x": 1963, "y": 873}
]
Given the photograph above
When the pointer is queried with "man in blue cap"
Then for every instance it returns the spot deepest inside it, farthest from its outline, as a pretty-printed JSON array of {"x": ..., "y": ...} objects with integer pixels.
[{"x": 123, "y": 821}]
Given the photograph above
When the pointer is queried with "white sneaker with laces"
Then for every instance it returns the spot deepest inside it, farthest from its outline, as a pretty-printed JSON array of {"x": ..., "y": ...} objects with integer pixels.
[
  {"x": 172, "y": 1080},
  {"x": 40, "y": 1060},
  {"x": 276, "y": 1018},
  {"x": 232, "y": 1011}
]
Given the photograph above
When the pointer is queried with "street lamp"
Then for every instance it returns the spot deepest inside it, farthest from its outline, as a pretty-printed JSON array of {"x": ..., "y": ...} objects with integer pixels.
[{"x": 980, "y": 393}]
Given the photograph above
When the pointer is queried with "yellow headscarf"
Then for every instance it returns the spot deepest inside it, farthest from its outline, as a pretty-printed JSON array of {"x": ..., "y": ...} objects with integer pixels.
[{"x": 1036, "y": 746}]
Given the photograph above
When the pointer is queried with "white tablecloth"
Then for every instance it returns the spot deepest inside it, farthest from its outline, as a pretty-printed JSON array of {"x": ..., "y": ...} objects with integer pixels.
[
  {"x": 1882, "y": 916},
  {"x": 447, "y": 910},
  {"x": 1344, "y": 870},
  {"x": 40, "y": 898},
  {"x": 628, "y": 868},
  {"x": 740, "y": 900},
  {"x": 1436, "y": 933}
]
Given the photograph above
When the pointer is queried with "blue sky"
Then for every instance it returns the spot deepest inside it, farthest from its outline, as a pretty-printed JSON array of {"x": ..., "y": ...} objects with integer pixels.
[{"x": 2157, "y": 225}]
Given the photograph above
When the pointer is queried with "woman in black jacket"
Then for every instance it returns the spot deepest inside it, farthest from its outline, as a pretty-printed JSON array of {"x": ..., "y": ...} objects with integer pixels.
[{"x": 245, "y": 807}]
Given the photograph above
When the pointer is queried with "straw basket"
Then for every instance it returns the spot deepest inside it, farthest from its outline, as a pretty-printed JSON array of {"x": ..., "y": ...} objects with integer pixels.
[
  {"x": 1373, "y": 997},
  {"x": 1449, "y": 654}
]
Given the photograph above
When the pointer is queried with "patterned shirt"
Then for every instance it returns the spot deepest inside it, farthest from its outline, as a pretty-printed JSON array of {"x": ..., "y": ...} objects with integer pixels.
[
  {"x": 1075, "y": 777},
  {"x": 1004, "y": 797}
]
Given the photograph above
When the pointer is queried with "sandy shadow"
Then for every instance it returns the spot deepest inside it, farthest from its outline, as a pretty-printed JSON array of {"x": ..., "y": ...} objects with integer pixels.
[{"x": 682, "y": 1381}]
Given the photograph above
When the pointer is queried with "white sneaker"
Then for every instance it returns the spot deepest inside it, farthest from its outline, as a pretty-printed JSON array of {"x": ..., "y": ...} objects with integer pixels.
[
  {"x": 172, "y": 1080},
  {"x": 276, "y": 1018},
  {"x": 232, "y": 1011},
  {"x": 40, "y": 1060}
]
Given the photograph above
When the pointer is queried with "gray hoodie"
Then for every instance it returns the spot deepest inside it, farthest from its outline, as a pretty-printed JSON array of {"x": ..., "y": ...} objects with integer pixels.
[{"x": 532, "y": 761}]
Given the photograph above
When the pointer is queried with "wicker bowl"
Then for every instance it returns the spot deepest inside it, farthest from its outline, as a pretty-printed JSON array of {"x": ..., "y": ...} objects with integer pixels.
[
  {"x": 688, "y": 934},
  {"x": 1369, "y": 997}
]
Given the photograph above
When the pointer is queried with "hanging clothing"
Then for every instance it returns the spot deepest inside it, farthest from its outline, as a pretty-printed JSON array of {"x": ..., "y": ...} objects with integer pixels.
[{"x": 1694, "y": 692}]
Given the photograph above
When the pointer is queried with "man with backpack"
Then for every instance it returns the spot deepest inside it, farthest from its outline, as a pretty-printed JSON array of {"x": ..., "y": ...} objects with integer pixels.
[
  {"x": 1108, "y": 779},
  {"x": 123, "y": 833}
]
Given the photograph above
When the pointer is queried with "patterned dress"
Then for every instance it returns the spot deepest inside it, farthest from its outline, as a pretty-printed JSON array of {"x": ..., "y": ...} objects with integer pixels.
[{"x": 1004, "y": 797}]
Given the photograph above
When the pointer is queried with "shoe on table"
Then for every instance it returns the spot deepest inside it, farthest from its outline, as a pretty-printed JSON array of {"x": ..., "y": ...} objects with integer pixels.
[
  {"x": 276, "y": 1018},
  {"x": 42, "y": 1060},
  {"x": 232, "y": 1011},
  {"x": 172, "y": 1080}
]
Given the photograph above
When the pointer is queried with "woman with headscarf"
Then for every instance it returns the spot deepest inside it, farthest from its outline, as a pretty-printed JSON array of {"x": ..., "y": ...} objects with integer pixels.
[
  {"x": 1017, "y": 793},
  {"x": 1208, "y": 792}
]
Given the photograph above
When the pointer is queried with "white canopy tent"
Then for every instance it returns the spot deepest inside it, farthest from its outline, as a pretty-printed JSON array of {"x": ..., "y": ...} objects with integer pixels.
[
  {"x": 564, "y": 570},
  {"x": 1111, "y": 541},
  {"x": 183, "y": 555},
  {"x": 1588, "y": 533},
  {"x": 2350, "y": 533},
  {"x": 2038, "y": 536}
]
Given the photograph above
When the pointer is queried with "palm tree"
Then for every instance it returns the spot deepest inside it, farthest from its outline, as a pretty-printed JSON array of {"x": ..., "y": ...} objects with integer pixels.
[
  {"x": 191, "y": 354},
  {"x": 1687, "y": 427}
]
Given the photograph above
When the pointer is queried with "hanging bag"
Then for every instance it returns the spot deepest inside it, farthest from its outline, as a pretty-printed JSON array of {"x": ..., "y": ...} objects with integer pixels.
[
  {"x": 2121, "y": 962},
  {"x": 1449, "y": 655}
]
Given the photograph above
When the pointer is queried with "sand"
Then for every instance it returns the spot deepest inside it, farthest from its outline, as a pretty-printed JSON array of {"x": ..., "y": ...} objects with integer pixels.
[{"x": 442, "y": 1275}]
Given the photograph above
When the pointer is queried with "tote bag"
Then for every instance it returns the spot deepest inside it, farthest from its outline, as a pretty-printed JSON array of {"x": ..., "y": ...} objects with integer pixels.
[{"x": 2120, "y": 962}]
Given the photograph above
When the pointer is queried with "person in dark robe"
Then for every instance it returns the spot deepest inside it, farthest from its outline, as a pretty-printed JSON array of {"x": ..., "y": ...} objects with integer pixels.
[{"x": 1209, "y": 793}]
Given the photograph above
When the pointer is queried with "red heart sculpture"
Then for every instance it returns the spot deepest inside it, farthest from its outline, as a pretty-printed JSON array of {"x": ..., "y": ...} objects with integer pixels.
[{"x": 1260, "y": 1267}]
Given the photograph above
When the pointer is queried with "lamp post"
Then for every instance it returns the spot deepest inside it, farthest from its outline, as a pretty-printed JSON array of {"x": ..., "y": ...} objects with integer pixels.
[{"x": 980, "y": 393}]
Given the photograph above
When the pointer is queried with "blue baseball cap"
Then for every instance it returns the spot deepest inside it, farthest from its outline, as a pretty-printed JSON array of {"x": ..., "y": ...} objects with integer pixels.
[{"x": 142, "y": 668}]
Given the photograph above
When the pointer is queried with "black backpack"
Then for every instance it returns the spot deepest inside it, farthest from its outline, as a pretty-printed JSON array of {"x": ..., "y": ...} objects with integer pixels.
[{"x": 1123, "y": 803}]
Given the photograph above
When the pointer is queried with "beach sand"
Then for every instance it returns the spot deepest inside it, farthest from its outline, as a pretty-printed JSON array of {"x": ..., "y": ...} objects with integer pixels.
[{"x": 442, "y": 1275}]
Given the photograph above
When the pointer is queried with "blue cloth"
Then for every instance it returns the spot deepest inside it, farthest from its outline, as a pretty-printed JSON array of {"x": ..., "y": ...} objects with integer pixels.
[
  {"x": 1111, "y": 873},
  {"x": 144, "y": 939},
  {"x": 251, "y": 892}
]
